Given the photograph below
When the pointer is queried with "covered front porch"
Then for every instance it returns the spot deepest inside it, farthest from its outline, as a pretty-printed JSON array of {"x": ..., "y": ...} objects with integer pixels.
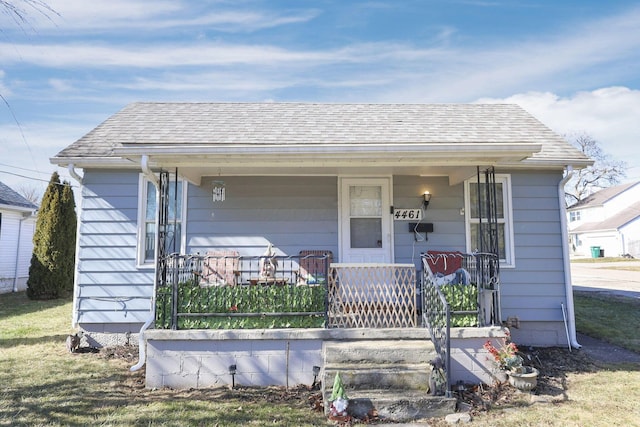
[
  {"x": 225, "y": 290},
  {"x": 284, "y": 312}
]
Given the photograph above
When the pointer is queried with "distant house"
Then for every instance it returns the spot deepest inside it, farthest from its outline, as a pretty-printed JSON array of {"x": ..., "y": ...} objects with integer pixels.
[
  {"x": 607, "y": 222},
  {"x": 331, "y": 177},
  {"x": 17, "y": 224}
]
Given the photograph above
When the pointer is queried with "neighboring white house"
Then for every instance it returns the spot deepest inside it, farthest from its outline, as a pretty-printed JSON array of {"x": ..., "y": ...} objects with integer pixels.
[
  {"x": 17, "y": 224},
  {"x": 607, "y": 223}
]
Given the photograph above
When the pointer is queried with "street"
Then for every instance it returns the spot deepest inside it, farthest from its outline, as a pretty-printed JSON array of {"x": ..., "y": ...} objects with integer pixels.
[{"x": 603, "y": 277}]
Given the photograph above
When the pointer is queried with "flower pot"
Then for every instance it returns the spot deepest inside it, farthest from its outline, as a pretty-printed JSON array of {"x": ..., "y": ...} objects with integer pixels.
[{"x": 526, "y": 380}]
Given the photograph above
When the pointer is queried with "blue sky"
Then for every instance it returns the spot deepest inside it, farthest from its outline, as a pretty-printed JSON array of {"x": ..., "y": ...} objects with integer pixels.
[{"x": 573, "y": 64}]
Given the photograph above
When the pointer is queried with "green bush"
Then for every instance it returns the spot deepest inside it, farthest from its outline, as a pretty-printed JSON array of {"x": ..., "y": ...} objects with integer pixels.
[
  {"x": 246, "y": 307},
  {"x": 462, "y": 298},
  {"x": 54, "y": 244}
]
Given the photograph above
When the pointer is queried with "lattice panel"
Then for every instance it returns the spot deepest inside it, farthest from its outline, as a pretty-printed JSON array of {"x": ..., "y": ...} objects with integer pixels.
[{"x": 372, "y": 296}]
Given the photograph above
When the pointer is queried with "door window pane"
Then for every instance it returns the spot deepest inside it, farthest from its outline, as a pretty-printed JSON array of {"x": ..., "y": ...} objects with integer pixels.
[
  {"x": 365, "y": 200},
  {"x": 366, "y": 232}
]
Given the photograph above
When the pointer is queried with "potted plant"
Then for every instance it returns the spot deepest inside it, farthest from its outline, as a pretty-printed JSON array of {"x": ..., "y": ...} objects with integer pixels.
[{"x": 508, "y": 360}]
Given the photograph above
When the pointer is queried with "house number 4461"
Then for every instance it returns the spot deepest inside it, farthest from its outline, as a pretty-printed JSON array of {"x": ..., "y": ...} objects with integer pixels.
[{"x": 407, "y": 214}]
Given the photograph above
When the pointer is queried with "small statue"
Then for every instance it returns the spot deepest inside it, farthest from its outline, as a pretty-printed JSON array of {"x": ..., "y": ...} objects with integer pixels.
[
  {"x": 268, "y": 264},
  {"x": 437, "y": 379}
]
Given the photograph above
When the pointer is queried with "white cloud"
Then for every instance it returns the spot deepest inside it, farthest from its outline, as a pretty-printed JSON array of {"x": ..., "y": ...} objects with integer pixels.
[
  {"x": 110, "y": 16},
  {"x": 609, "y": 115}
]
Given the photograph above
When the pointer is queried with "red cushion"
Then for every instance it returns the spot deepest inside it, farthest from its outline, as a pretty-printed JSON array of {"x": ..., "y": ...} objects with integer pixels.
[{"x": 445, "y": 262}]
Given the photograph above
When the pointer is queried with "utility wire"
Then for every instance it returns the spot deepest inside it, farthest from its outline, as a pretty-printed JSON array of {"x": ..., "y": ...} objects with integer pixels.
[
  {"x": 15, "y": 119},
  {"x": 34, "y": 179}
]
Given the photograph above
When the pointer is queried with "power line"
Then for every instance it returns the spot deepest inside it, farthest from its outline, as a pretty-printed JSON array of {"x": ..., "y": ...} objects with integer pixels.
[
  {"x": 33, "y": 179},
  {"x": 24, "y": 169},
  {"x": 15, "y": 119}
]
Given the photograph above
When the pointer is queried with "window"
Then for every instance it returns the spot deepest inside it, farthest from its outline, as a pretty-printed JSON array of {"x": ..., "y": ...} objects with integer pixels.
[
  {"x": 504, "y": 217},
  {"x": 147, "y": 220},
  {"x": 574, "y": 216},
  {"x": 366, "y": 216}
]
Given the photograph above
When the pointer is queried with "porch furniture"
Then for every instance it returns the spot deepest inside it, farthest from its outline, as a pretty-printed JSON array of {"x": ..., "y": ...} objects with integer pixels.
[
  {"x": 444, "y": 262},
  {"x": 220, "y": 267},
  {"x": 314, "y": 265},
  {"x": 265, "y": 281}
]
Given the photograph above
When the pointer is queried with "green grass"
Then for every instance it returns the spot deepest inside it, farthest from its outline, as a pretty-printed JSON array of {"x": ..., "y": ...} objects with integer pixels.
[
  {"x": 41, "y": 384},
  {"x": 610, "y": 318}
]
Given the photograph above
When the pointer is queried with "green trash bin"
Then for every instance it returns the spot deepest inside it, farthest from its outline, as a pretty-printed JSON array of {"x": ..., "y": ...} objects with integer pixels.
[{"x": 595, "y": 251}]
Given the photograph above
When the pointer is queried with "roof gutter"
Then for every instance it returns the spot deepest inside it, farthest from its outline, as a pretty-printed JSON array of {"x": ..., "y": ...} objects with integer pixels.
[
  {"x": 571, "y": 315},
  {"x": 142, "y": 348}
]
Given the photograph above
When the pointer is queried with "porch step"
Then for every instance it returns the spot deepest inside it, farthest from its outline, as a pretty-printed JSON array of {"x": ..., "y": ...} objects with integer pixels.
[
  {"x": 379, "y": 351},
  {"x": 389, "y": 375},
  {"x": 399, "y": 406},
  {"x": 376, "y": 376}
]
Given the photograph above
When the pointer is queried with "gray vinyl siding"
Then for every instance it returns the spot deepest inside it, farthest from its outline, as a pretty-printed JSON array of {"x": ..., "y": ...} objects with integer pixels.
[
  {"x": 296, "y": 213},
  {"x": 110, "y": 287},
  {"x": 292, "y": 213},
  {"x": 443, "y": 212},
  {"x": 535, "y": 289},
  {"x": 532, "y": 290}
]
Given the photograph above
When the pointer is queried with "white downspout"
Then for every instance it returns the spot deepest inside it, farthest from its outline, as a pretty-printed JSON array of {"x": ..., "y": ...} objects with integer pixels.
[
  {"x": 142, "y": 349},
  {"x": 573, "y": 342},
  {"x": 72, "y": 171}
]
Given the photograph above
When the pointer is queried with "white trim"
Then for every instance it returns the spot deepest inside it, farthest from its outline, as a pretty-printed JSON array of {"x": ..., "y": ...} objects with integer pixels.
[
  {"x": 385, "y": 210},
  {"x": 140, "y": 237},
  {"x": 505, "y": 180}
]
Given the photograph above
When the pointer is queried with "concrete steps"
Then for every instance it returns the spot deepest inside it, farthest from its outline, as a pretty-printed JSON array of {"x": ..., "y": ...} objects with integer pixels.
[{"x": 388, "y": 375}]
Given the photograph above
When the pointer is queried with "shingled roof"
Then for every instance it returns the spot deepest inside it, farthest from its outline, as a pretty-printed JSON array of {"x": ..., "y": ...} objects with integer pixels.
[
  {"x": 600, "y": 197},
  {"x": 301, "y": 125},
  {"x": 8, "y": 197}
]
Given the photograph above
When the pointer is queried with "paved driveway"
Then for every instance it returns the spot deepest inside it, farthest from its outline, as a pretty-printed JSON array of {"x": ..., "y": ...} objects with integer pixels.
[{"x": 603, "y": 277}]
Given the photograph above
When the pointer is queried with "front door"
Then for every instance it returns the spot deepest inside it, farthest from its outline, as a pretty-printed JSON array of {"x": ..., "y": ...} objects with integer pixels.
[{"x": 365, "y": 221}]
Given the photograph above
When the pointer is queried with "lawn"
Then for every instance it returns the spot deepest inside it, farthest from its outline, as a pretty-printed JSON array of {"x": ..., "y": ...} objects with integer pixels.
[
  {"x": 43, "y": 384},
  {"x": 614, "y": 319}
]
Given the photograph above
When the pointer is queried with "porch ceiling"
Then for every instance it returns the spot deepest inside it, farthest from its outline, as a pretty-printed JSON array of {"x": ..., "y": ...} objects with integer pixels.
[{"x": 457, "y": 162}]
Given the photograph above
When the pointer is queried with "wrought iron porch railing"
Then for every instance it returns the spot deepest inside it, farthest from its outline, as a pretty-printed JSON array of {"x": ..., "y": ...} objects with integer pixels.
[
  {"x": 222, "y": 290},
  {"x": 458, "y": 290}
]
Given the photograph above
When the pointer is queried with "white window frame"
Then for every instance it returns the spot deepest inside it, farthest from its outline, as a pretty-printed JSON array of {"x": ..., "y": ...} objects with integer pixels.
[
  {"x": 507, "y": 208},
  {"x": 143, "y": 184},
  {"x": 574, "y": 216}
]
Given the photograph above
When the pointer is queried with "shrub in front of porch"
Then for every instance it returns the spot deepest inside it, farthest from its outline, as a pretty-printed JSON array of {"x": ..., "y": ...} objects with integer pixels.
[
  {"x": 462, "y": 298},
  {"x": 243, "y": 307}
]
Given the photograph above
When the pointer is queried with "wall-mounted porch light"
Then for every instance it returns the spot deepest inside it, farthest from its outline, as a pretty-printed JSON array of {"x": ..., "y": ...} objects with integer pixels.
[{"x": 427, "y": 198}]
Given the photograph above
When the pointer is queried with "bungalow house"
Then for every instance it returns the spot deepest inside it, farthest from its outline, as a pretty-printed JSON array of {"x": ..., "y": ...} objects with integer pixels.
[
  {"x": 607, "y": 223},
  {"x": 17, "y": 225},
  {"x": 370, "y": 185}
]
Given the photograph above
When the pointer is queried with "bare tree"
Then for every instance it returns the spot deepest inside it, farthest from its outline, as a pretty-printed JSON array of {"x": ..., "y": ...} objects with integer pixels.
[
  {"x": 19, "y": 10},
  {"x": 604, "y": 173},
  {"x": 30, "y": 193}
]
